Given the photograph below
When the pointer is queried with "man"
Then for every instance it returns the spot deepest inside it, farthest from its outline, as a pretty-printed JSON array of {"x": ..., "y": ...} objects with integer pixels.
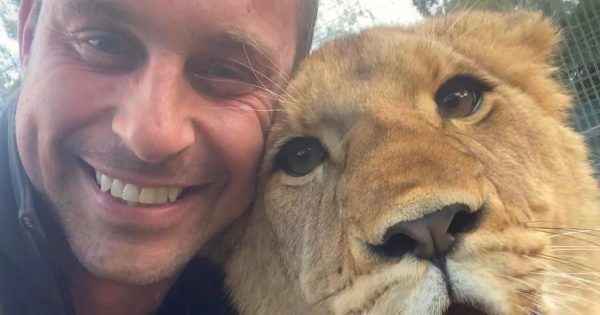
[{"x": 135, "y": 139}]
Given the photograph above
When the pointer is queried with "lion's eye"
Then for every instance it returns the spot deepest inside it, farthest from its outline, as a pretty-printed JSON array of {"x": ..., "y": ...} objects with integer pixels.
[
  {"x": 460, "y": 96},
  {"x": 300, "y": 156}
]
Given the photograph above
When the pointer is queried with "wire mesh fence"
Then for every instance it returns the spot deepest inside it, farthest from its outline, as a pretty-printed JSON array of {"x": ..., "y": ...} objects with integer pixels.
[{"x": 580, "y": 69}]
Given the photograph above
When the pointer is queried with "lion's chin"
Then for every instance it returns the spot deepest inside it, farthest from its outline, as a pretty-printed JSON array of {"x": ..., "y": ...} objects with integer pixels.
[{"x": 462, "y": 309}]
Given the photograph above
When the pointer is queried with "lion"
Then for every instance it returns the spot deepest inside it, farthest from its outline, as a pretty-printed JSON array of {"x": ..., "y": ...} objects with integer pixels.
[{"x": 426, "y": 169}]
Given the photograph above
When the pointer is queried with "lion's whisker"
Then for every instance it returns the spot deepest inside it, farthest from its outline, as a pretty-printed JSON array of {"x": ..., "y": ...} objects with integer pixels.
[
  {"x": 564, "y": 261},
  {"x": 580, "y": 280},
  {"x": 256, "y": 73},
  {"x": 572, "y": 230},
  {"x": 573, "y": 246},
  {"x": 274, "y": 96},
  {"x": 572, "y": 286},
  {"x": 567, "y": 235},
  {"x": 251, "y": 109},
  {"x": 571, "y": 296}
]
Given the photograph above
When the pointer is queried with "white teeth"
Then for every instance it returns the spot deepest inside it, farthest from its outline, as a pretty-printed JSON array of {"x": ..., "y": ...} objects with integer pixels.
[
  {"x": 116, "y": 190},
  {"x": 174, "y": 193},
  {"x": 147, "y": 195},
  {"x": 161, "y": 195},
  {"x": 105, "y": 183},
  {"x": 132, "y": 194}
]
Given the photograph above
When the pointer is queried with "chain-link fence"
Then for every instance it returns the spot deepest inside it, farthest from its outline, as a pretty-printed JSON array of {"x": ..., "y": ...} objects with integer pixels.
[{"x": 580, "y": 69}]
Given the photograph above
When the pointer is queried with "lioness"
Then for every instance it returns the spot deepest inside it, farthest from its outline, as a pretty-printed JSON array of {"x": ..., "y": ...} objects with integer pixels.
[{"x": 424, "y": 170}]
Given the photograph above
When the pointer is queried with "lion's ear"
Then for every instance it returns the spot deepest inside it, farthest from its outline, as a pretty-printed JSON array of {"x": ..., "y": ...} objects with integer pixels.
[
  {"x": 518, "y": 47},
  {"x": 530, "y": 30},
  {"x": 527, "y": 35}
]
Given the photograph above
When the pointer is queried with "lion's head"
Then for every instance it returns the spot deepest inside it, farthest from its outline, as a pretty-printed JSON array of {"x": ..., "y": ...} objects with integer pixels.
[{"x": 424, "y": 170}]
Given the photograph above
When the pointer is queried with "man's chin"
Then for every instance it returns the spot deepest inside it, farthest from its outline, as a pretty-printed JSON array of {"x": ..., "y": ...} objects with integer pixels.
[
  {"x": 132, "y": 269},
  {"x": 131, "y": 261}
]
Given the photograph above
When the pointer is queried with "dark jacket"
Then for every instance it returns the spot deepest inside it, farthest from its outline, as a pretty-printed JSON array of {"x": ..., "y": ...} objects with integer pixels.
[{"x": 31, "y": 282}]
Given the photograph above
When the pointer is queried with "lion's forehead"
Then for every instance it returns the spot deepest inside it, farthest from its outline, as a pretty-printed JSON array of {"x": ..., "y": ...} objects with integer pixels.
[
  {"x": 374, "y": 92},
  {"x": 389, "y": 69}
]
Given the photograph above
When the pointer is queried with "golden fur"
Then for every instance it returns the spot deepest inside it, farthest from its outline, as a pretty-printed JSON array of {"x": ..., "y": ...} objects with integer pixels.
[{"x": 391, "y": 157}]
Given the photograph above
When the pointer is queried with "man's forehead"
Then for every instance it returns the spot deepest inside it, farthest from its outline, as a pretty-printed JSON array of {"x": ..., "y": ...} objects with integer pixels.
[
  {"x": 113, "y": 9},
  {"x": 229, "y": 36}
]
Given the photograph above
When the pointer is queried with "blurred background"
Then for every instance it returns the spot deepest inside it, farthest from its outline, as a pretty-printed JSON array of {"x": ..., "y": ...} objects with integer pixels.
[{"x": 578, "y": 59}]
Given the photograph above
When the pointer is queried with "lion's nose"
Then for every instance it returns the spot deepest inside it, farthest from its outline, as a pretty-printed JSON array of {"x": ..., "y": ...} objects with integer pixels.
[{"x": 430, "y": 237}]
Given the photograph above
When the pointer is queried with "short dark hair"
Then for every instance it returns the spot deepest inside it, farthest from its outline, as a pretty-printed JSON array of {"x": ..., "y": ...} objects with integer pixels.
[
  {"x": 35, "y": 9},
  {"x": 306, "y": 27}
]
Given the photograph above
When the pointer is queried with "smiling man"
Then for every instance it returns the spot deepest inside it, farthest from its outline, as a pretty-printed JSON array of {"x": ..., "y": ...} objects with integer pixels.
[{"x": 134, "y": 140}]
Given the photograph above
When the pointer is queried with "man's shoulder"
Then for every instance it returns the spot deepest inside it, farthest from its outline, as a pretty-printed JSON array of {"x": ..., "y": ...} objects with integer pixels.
[
  {"x": 11, "y": 285},
  {"x": 11, "y": 292}
]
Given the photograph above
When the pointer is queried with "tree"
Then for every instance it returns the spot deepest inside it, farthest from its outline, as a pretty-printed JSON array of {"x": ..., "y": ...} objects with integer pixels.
[
  {"x": 339, "y": 17},
  {"x": 554, "y": 8},
  {"x": 9, "y": 65}
]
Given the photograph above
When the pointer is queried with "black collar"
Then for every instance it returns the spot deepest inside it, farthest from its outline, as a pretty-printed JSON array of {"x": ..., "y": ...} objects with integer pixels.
[{"x": 22, "y": 236}]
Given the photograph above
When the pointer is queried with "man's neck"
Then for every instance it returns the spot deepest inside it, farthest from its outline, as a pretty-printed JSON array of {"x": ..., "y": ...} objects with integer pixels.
[{"x": 94, "y": 296}]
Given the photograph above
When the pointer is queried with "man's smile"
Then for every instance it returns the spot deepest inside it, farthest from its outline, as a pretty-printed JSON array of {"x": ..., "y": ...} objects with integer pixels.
[
  {"x": 136, "y": 199},
  {"x": 134, "y": 194}
]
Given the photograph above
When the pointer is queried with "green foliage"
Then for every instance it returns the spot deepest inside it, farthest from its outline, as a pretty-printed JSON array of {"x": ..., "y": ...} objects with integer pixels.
[
  {"x": 9, "y": 73},
  {"x": 8, "y": 17},
  {"x": 554, "y": 8},
  {"x": 9, "y": 65}
]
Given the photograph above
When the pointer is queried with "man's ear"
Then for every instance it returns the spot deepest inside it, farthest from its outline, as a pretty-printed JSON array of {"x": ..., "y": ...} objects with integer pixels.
[{"x": 27, "y": 23}]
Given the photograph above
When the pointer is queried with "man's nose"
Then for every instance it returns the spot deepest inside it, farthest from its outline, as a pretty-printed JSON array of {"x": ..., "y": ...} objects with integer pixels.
[{"x": 151, "y": 119}]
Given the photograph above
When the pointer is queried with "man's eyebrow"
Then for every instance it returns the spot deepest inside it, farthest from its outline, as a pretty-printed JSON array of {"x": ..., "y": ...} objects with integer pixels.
[
  {"x": 108, "y": 9},
  {"x": 234, "y": 38}
]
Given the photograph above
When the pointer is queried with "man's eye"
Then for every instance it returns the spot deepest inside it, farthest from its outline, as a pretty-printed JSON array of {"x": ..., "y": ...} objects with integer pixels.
[
  {"x": 107, "y": 45},
  {"x": 109, "y": 51},
  {"x": 222, "y": 79},
  {"x": 225, "y": 71}
]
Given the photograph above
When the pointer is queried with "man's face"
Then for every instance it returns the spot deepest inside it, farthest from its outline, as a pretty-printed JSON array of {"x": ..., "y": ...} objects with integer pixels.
[{"x": 142, "y": 122}]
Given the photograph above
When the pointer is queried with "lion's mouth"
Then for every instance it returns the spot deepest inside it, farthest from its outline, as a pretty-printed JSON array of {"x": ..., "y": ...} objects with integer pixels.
[{"x": 462, "y": 309}]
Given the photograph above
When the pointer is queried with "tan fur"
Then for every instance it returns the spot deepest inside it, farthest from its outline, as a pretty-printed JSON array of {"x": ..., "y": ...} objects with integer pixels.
[{"x": 392, "y": 157}]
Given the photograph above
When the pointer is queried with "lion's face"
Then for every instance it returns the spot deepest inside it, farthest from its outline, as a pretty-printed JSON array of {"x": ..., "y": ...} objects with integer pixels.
[{"x": 413, "y": 170}]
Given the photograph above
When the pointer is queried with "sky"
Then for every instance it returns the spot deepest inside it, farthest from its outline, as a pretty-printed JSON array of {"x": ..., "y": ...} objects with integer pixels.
[
  {"x": 384, "y": 12},
  {"x": 391, "y": 11}
]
